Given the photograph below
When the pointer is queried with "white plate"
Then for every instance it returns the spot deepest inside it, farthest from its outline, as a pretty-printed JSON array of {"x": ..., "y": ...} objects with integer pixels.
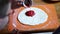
[{"x": 39, "y": 17}]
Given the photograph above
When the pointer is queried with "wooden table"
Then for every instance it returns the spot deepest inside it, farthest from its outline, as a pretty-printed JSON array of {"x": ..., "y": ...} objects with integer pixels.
[{"x": 50, "y": 24}]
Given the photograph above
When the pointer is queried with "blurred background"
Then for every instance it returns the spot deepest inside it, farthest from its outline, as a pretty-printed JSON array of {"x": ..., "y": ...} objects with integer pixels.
[{"x": 57, "y": 6}]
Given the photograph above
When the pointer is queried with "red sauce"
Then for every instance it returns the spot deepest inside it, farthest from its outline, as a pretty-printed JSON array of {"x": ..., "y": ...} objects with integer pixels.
[{"x": 30, "y": 13}]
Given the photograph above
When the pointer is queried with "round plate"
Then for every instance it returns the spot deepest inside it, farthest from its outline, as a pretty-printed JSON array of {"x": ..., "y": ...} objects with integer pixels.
[{"x": 40, "y": 16}]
